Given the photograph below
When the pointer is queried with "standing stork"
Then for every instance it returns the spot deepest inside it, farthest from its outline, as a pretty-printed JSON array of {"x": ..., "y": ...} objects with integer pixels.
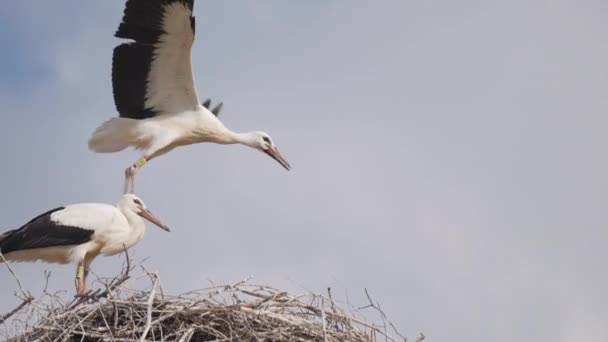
[
  {"x": 79, "y": 233},
  {"x": 154, "y": 90}
]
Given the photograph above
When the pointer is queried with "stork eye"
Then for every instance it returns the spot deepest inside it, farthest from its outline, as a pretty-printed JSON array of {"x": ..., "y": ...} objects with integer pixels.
[
  {"x": 266, "y": 139},
  {"x": 138, "y": 202}
]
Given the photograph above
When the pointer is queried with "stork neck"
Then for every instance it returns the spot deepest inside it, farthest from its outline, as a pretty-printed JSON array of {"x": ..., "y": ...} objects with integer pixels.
[
  {"x": 242, "y": 138},
  {"x": 135, "y": 221}
]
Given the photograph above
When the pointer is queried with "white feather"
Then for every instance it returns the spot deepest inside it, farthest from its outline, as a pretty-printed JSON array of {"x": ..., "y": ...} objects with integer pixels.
[
  {"x": 114, "y": 135},
  {"x": 171, "y": 86}
]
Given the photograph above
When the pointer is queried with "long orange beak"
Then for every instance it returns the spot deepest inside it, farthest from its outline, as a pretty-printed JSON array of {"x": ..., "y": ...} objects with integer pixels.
[
  {"x": 273, "y": 152},
  {"x": 150, "y": 217}
]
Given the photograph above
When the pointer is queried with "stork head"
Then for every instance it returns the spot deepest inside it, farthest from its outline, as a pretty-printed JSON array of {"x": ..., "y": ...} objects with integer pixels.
[
  {"x": 263, "y": 142},
  {"x": 134, "y": 204}
]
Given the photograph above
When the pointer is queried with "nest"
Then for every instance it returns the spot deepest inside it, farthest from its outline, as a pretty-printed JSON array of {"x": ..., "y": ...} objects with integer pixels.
[{"x": 235, "y": 312}]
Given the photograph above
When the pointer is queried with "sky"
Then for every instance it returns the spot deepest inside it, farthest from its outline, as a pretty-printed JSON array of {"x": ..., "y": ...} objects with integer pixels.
[{"x": 447, "y": 156}]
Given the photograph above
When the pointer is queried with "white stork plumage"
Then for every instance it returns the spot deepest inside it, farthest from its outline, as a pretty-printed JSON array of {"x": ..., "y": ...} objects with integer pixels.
[
  {"x": 154, "y": 90},
  {"x": 79, "y": 233}
]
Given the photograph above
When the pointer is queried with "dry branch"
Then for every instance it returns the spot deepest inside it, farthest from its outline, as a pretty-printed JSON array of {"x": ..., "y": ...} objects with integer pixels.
[{"x": 25, "y": 296}]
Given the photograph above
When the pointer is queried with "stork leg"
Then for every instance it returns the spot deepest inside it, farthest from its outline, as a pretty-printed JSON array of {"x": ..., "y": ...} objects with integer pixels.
[
  {"x": 80, "y": 278},
  {"x": 86, "y": 263},
  {"x": 130, "y": 175},
  {"x": 85, "y": 284},
  {"x": 129, "y": 179}
]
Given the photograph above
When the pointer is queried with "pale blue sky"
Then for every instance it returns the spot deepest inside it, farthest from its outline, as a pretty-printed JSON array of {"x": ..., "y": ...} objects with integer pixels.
[{"x": 448, "y": 156}]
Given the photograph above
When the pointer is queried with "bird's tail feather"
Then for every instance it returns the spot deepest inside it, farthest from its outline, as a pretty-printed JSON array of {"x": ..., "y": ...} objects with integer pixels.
[{"x": 114, "y": 135}]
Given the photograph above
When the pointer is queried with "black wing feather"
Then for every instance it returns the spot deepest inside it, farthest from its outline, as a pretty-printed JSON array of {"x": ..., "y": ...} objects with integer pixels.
[
  {"x": 216, "y": 111},
  {"x": 142, "y": 21},
  {"x": 41, "y": 232},
  {"x": 130, "y": 67}
]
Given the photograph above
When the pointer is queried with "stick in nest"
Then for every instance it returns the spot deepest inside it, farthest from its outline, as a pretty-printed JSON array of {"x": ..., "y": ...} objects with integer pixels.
[
  {"x": 149, "y": 310},
  {"x": 26, "y": 297}
]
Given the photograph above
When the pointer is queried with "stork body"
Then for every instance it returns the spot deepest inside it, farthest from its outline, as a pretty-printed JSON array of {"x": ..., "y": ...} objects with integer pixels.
[
  {"x": 79, "y": 233},
  {"x": 154, "y": 90}
]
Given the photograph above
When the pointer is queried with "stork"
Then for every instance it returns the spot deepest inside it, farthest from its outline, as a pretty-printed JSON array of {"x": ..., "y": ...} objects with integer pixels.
[
  {"x": 154, "y": 90},
  {"x": 79, "y": 233}
]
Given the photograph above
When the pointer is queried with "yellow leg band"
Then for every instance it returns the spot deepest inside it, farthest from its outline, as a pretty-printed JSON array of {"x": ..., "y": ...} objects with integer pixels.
[
  {"x": 140, "y": 162},
  {"x": 80, "y": 272}
]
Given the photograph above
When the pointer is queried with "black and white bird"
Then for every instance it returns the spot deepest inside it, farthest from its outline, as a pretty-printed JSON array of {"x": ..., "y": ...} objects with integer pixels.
[
  {"x": 78, "y": 233},
  {"x": 154, "y": 90}
]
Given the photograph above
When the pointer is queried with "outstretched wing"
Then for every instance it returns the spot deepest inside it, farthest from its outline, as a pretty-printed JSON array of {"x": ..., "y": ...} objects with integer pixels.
[{"x": 153, "y": 75}]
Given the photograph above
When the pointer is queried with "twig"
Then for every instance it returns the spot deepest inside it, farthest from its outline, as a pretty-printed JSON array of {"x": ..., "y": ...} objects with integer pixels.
[
  {"x": 187, "y": 335},
  {"x": 150, "y": 301},
  {"x": 8, "y": 315},
  {"x": 323, "y": 320},
  {"x": 26, "y": 298},
  {"x": 10, "y": 269}
]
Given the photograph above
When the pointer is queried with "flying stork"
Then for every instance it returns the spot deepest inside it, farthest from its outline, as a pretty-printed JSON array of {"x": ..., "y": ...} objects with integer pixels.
[
  {"x": 154, "y": 90},
  {"x": 79, "y": 233}
]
